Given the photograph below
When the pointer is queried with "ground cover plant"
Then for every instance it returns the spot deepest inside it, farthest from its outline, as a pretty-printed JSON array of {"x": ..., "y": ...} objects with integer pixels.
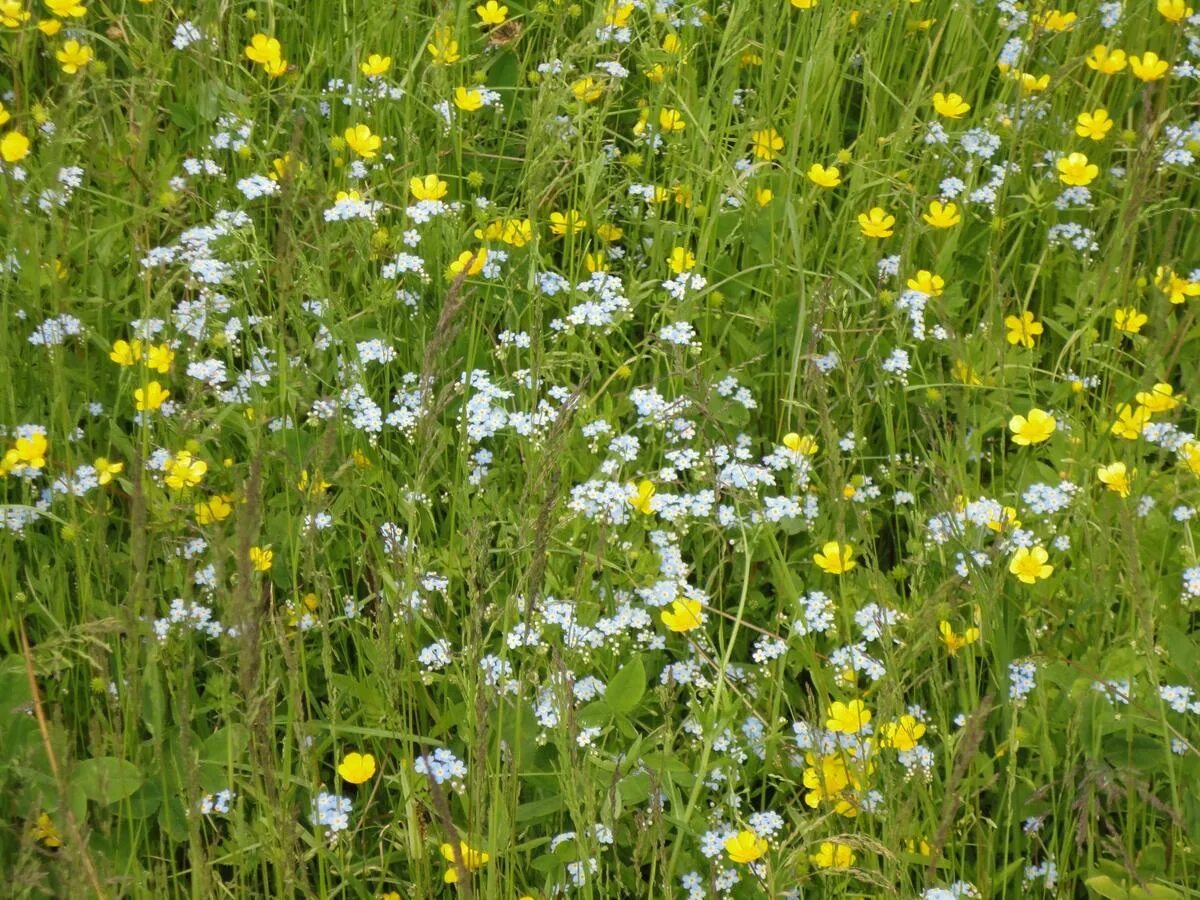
[{"x": 737, "y": 448}]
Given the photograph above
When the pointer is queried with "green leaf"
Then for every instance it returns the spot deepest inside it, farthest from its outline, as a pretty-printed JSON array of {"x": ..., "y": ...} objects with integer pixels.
[
  {"x": 106, "y": 779},
  {"x": 625, "y": 689}
]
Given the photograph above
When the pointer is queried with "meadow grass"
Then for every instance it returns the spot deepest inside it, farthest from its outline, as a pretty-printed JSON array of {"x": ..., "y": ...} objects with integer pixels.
[{"x": 523, "y": 464}]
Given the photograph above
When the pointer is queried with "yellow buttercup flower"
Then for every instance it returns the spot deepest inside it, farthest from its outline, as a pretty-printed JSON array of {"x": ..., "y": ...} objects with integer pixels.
[
  {"x": 159, "y": 358},
  {"x": 927, "y": 283},
  {"x": 469, "y": 262},
  {"x": 66, "y": 9},
  {"x": 1106, "y": 62},
  {"x": 955, "y": 642},
  {"x": 848, "y": 718},
  {"x": 1074, "y": 169},
  {"x": 73, "y": 56},
  {"x": 1023, "y": 330},
  {"x": 950, "y": 106},
  {"x": 1116, "y": 478},
  {"x": 588, "y": 89},
  {"x": 375, "y": 65},
  {"x": 835, "y": 558},
  {"x": 681, "y": 260},
  {"x": 443, "y": 48},
  {"x": 1129, "y": 320},
  {"x": 126, "y": 353},
  {"x": 183, "y": 470},
  {"x": 570, "y": 222},
  {"x": 263, "y": 50},
  {"x": 745, "y": 847},
  {"x": 1130, "y": 422},
  {"x": 1094, "y": 125},
  {"x": 472, "y": 860},
  {"x": 942, "y": 215},
  {"x": 1148, "y": 67},
  {"x": 832, "y": 855},
  {"x": 1033, "y": 428},
  {"x": 824, "y": 177},
  {"x": 684, "y": 615},
  {"x": 876, "y": 223},
  {"x": 1174, "y": 11},
  {"x": 428, "y": 188},
  {"x": 1160, "y": 398},
  {"x": 215, "y": 509},
  {"x": 671, "y": 121},
  {"x": 1174, "y": 286},
  {"x": 105, "y": 469},
  {"x": 492, "y": 13},
  {"x": 262, "y": 558},
  {"x": 902, "y": 734},
  {"x": 356, "y": 768},
  {"x": 151, "y": 397},
  {"x": 766, "y": 143},
  {"x": 28, "y": 452},
  {"x": 805, "y": 446},
  {"x": 360, "y": 139},
  {"x": 642, "y": 497},
  {"x": 1030, "y": 565}
]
